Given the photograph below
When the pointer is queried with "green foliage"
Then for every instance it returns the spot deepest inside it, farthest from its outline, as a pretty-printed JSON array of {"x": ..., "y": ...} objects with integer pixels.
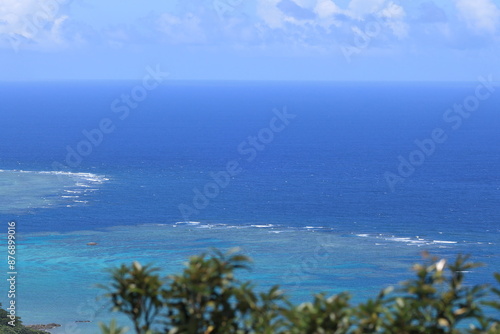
[
  {"x": 19, "y": 328},
  {"x": 113, "y": 328},
  {"x": 323, "y": 315},
  {"x": 207, "y": 298},
  {"x": 437, "y": 300},
  {"x": 494, "y": 304},
  {"x": 137, "y": 292}
]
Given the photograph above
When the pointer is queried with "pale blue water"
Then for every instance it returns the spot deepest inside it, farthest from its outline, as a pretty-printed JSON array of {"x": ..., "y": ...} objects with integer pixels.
[{"x": 309, "y": 201}]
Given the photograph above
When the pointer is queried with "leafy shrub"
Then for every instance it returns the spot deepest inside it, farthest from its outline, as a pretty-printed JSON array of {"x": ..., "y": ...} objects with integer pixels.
[
  {"x": 206, "y": 298},
  {"x": 19, "y": 328}
]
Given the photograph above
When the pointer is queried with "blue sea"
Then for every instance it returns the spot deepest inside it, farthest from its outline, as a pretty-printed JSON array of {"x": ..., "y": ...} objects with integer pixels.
[{"x": 328, "y": 186}]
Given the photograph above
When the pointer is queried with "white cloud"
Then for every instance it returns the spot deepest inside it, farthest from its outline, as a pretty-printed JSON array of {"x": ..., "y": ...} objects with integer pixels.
[
  {"x": 361, "y": 8},
  {"x": 13, "y": 15},
  {"x": 481, "y": 16},
  {"x": 395, "y": 15},
  {"x": 305, "y": 3},
  {"x": 268, "y": 11},
  {"x": 332, "y": 21},
  {"x": 55, "y": 34},
  {"x": 326, "y": 8},
  {"x": 393, "y": 11},
  {"x": 31, "y": 21},
  {"x": 182, "y": 30}
]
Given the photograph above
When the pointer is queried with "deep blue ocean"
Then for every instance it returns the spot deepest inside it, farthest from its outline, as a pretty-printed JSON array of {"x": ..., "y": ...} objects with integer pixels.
[{"x": 327, "y": 186}]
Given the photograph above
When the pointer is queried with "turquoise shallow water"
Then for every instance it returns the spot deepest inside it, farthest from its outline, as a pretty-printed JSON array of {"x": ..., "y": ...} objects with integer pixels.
[{"x": 58, "y": 272}]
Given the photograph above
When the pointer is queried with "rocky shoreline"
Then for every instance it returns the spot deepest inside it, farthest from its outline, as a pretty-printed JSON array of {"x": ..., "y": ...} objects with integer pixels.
[
  {"x": 40, "y": 327},
  {"x": 43, "y": 327}
]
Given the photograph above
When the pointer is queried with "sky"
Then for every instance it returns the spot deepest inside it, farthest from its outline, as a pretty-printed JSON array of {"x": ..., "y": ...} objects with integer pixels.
[{"x": 337, "y": 40}]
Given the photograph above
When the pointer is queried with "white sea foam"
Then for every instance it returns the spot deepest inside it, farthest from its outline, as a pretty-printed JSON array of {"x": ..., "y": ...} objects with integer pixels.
[
  {"x": 188, "y": 223},
  {"x": 272, "y": 228},
  {"x": 84, "y": 185},
  {"x": 89, "y": 176},
  {"x": 24, "y": 189},
  {"x": 410, "y": 241},
  {"x": 205, "y": 226},
  {"x": 444, "y": 242}
]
